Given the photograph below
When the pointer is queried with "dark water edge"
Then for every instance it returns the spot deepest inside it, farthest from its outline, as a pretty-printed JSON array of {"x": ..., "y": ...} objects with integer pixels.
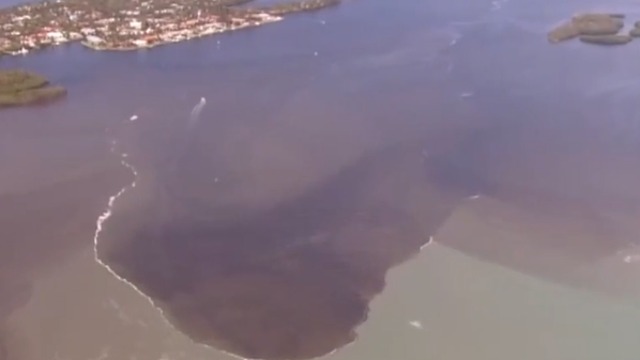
[
  {"x": 508, "y": 142},
  {"x": 292, "y": 282},
  {"x": 266, "y": 228}
]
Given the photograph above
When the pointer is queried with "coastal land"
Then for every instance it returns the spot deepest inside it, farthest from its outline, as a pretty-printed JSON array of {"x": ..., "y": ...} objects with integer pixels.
[
  {"x": 595, "y": 28},
  {"x": 18, "y": 87},
  {"x": 130, "y": 25}
]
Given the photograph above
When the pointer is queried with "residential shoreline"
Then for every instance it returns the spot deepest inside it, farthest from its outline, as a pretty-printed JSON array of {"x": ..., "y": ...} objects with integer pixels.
[{"x": 133, "y": 25}]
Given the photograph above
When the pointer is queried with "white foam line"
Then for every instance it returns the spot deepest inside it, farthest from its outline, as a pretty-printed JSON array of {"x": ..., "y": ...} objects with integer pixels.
[
  {"x": 431, "y": 241},
  {"x": 195, "y": 112},
  {"x": 99, "y": 227}
]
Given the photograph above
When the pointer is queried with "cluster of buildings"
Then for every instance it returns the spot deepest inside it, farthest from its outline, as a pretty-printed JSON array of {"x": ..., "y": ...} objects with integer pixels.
[
  {"x": 133, "y": 33},
  {"x": 131, "y": 24}
]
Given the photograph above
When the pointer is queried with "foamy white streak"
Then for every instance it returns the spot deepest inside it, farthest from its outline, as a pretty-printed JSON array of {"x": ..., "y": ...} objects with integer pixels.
[
  {"x": 195, "y": 112},
  {"x": 99, "y": 226},
  {"x": 431, "y": 240},
  {"x": 416, "y": 324}
]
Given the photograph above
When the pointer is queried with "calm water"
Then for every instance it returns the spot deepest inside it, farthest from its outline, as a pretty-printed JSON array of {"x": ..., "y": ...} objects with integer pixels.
[{"x": 331, "y": 147}]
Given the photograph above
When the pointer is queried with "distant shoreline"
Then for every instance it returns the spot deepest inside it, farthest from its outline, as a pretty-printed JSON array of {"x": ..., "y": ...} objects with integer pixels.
[
  {"x": 98, "y": 47},
  {"x": 134, "y": 24}
]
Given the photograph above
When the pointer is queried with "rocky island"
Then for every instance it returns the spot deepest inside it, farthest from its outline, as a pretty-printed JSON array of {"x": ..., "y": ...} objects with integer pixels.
[
  {"x": 18, "y": 87},
  {"x": 593, "y": 28},
  {"x": 132, "y": 24}
]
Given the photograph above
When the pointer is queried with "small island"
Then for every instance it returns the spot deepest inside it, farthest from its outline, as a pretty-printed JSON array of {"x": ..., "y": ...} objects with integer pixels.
[
  {"x": 19, "y": 88},
  {"x": 595, "y": 28},
  {"x": 133, "y": 24}
]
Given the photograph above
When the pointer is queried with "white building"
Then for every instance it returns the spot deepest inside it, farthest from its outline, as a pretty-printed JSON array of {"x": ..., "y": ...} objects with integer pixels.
[
  {"x": 87, "y": 31},
  {"x": 91, "y": 39},
  {"x": 140, "y": 42},
  {"x": 56, "y": 36},
  {"x": 135, "y": 24},
  {"x": 22, "y": 18}
]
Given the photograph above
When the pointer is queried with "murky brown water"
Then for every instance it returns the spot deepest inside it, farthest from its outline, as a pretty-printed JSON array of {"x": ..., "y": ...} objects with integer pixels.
[{"x": 267, "y": 225}]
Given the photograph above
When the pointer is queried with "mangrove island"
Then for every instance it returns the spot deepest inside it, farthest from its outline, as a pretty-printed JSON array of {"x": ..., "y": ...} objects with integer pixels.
[
  {"x": 18, "y": 87},
  {"x": 595, "y": 28}
]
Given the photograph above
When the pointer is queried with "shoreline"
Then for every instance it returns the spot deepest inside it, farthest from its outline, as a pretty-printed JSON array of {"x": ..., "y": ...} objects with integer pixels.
[
  {"x": 133, "y": 26},
  {"x": 95, "y": 47}
]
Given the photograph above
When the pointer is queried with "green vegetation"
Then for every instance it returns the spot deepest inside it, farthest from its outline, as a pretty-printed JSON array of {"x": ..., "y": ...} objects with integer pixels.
[
  {"x": 599, "y": 29},
  {"x": 598, "y": 24},
  {"x": 563, "y": 32},
  {"x": 606, "y": 39},
  {"x": 133, "y": 24},
  {"x": 588, "y": 25},
  {"x": 19, "y": 88},
  {"x": 19, "y": 80},
  {"x": 299, "y": 6}
]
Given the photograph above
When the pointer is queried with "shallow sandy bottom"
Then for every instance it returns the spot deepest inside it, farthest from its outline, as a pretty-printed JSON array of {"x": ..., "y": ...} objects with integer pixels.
[
  {"x": 445, "y": 305},
  {"x": 440, "y": 305},
  {"x": 80, "y": 311},
  {"x": 471, "y": 309}
]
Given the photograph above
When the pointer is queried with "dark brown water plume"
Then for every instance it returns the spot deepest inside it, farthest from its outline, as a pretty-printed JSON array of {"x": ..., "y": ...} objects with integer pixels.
[{"x": 293, "y": 282}]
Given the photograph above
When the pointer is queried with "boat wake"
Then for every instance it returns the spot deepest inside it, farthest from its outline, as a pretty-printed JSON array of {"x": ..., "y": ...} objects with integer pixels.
[{"x": 195, "y": 113}]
